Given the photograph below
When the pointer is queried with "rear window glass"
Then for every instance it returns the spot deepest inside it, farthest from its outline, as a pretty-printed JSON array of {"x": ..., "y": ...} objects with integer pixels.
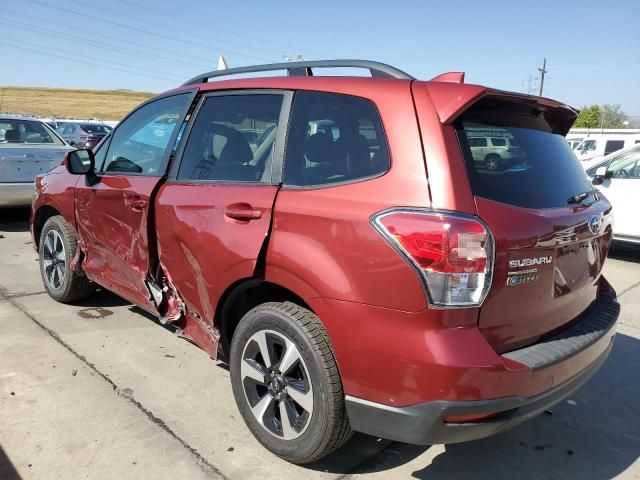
[
  {"x": 89, "y": 128},
  {"x": 537, "y": 170},
  {"x": 333, "y": 138}
]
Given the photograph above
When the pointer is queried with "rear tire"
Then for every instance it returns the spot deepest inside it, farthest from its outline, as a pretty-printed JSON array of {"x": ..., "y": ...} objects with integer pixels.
[
  {"x": 493, "y": 162},
  {"x": 57, "y": 249},
  {"x": 307, "y": 392}
]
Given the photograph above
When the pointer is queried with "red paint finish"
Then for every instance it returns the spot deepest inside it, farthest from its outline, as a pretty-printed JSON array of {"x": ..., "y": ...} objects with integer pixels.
[
  {"x": 401, "y": 358},
  {"x": 56, "y": 189},
  {"x": 323, "y": 243},
  {"x": 112, "y": 220},
  {"x": 513, "y": 316},
  {"x": 205, "y": 242},
  {"x": 391, "y": 346},
  {"x": 447, "y": 173}
]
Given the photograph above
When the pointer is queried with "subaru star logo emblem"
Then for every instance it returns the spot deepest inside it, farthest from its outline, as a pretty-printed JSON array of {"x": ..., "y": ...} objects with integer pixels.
[{"x": 594, "y": 224}]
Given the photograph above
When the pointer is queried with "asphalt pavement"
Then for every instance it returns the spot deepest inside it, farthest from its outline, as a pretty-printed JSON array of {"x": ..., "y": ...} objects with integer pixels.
[{"x": 101, "y": 390}]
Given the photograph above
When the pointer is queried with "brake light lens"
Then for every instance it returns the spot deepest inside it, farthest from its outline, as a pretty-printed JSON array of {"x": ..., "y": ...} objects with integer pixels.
[{"x": 452, "y": 253}]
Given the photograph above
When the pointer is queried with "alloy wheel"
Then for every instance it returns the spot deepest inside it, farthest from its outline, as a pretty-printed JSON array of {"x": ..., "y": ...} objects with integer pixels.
[
  {"x": 54, "y": 259},
  {"x": 276, "y": 384}
]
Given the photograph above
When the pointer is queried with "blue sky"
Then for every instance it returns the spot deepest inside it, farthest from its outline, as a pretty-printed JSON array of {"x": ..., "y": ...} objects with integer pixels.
[{"x": 592, "y": 47}]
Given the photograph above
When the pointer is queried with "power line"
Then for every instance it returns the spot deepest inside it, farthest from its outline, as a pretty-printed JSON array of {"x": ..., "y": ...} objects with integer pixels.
[
  {"x": 193, "y": 21},
  {"x": 93, "y": 34},
  {"x": 172, "y": 27},
  {"x": 87, "y": 62},
  {"x": 137, "y": 53},
  {"x": 141, "y": 30}
]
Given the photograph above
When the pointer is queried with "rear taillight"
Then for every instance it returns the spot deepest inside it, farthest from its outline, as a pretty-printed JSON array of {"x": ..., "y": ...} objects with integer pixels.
[{"x": 452, "y": 253}]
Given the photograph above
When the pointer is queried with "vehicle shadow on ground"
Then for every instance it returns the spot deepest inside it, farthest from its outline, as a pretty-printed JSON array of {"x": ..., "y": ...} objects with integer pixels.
[
  {"x": 594, "y": 434},
  {"x": 14, "y": 219},
  {"x": 7, "y": 470},
  {"x": 626, "y": 252},
  {"x": 103, "y": 299}
]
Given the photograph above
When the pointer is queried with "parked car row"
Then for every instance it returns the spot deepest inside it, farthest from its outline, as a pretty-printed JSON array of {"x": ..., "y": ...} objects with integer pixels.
[
  {"x": 30, "y": 146},
  {"x": 349, "y": 248}
]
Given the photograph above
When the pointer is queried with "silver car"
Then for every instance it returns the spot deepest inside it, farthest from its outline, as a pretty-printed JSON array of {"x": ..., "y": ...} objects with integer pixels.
[
  {"x": 83, "y": 134},
  {"x": 28, "y": 147}
]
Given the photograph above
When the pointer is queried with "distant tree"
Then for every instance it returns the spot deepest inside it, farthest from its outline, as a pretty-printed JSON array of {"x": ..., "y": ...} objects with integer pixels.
[
  {"x": 605, "y": 116},
  {"x": 613, "y": 115},
  {"x": 589, "y": 117}
]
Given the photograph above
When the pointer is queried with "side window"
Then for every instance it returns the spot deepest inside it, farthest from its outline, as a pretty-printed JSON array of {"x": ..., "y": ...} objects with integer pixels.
[
  {"x": 612, "y": 146},
  {"x": 333, "y": 138},
  {"x": 626, "y": 165},
  {"x": 140, "y": 143},
  {"x": 232, "y": 139},
  {"x": 499, "y": 142},
  {"x": 101, "y": 154},
  {"x": 477, "y": 142}
]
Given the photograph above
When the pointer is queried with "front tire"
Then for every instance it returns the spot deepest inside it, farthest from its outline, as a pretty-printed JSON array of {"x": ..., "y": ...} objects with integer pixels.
[
  {"x": 57, "y": 249},
  {"x": 286, "y": 382}
]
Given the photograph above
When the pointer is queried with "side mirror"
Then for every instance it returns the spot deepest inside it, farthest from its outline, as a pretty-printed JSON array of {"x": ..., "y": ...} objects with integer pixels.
[
  {"x": 82, "y": 162},
  {"x": 600, "y": 175}
]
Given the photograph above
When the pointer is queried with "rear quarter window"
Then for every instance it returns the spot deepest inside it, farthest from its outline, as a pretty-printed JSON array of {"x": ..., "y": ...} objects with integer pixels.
[
  {"x": 333, "y": 139},
  {"x": 538, "y": 170}
]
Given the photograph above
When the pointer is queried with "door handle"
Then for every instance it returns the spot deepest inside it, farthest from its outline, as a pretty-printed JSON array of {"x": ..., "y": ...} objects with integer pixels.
[
  {"x": 136, "y": 202},
  {"x": 242, "y": 211}
]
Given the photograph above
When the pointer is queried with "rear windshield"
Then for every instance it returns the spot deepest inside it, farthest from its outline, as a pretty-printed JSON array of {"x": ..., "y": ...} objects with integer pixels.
[
  {"x": 532, "y": 167},
  {"x": 89, "y": 128}
]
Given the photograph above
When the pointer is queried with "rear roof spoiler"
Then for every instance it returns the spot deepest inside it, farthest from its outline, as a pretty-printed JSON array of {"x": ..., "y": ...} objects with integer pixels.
[{"x": 452, "y": 99}]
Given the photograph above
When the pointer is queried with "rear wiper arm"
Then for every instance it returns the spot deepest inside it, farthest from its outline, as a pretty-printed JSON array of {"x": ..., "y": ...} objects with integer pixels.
[{"x": 579, "y": 197}]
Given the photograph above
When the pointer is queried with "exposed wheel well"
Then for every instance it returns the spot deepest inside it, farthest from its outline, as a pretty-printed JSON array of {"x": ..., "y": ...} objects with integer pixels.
[
  {"x": 43, "y": 214},
  {"x": 242, "y": 297}
]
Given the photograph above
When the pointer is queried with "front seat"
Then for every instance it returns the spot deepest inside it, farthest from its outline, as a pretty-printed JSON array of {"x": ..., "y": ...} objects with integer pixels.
[
  {"x": 226, "y": 156},
  {"x": 12, "y": 136}
]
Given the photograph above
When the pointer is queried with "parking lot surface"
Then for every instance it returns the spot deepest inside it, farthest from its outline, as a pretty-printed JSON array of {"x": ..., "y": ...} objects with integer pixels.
[{"x": 100, "y": 390}]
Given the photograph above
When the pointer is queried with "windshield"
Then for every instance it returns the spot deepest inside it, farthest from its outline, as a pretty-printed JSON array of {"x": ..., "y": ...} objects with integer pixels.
[
  {"x": 535, "y": 169},
  {"x": 16, "y": 131},
  {"x": 95, "y": 128},
  {"x": 625, "y": 165}
]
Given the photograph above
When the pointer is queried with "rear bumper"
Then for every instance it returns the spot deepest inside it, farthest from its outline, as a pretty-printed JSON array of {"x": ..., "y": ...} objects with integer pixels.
[
  {"x": 16, "y": 194},
  {"x": 424, "y": 423}
]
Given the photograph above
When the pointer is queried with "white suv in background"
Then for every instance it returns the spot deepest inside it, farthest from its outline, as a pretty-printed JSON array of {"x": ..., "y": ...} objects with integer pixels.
[
  {"x": 494, "y": 153},
  {"x": 618, "y": 177}
]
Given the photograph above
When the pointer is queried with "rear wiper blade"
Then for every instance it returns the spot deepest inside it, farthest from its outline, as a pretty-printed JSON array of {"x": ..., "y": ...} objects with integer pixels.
[{"x": 580, "y": 197}]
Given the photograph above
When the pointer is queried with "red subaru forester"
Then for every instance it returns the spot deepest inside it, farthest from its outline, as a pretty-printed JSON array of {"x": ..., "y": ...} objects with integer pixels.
[{"x": 345, "y": 245}]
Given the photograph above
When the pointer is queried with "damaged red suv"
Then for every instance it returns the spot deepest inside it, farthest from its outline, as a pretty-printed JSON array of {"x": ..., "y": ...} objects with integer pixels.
[{"x": 341, "y": 243}]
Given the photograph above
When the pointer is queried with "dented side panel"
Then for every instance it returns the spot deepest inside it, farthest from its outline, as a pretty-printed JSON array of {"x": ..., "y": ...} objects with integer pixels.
[
  {"x": 202, "y": 248},
  {"x": 112, "y": 218}
]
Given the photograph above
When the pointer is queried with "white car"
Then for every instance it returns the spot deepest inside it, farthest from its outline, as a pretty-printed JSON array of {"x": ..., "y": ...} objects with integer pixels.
[
  {"x": 617, "y": 176},
  {"x": 28, "y": 147},
  {"x": 597, "y": 145}
]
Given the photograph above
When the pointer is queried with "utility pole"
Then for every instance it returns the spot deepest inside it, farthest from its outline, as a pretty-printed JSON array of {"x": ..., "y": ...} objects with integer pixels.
[{"x": 542, "y": 71}]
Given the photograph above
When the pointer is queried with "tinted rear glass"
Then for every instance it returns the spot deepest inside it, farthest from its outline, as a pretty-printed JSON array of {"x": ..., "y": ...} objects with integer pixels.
[
  {"x": 101, "y": 129},
  {"x": 539, "y": 170}
]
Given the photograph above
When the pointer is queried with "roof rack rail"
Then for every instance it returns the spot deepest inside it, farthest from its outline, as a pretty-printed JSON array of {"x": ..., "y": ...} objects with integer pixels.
[{"x": 304, "y": 68}]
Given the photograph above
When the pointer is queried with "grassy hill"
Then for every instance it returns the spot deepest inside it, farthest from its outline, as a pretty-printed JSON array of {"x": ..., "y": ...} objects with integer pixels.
[{"x": 69, "y": 103}]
